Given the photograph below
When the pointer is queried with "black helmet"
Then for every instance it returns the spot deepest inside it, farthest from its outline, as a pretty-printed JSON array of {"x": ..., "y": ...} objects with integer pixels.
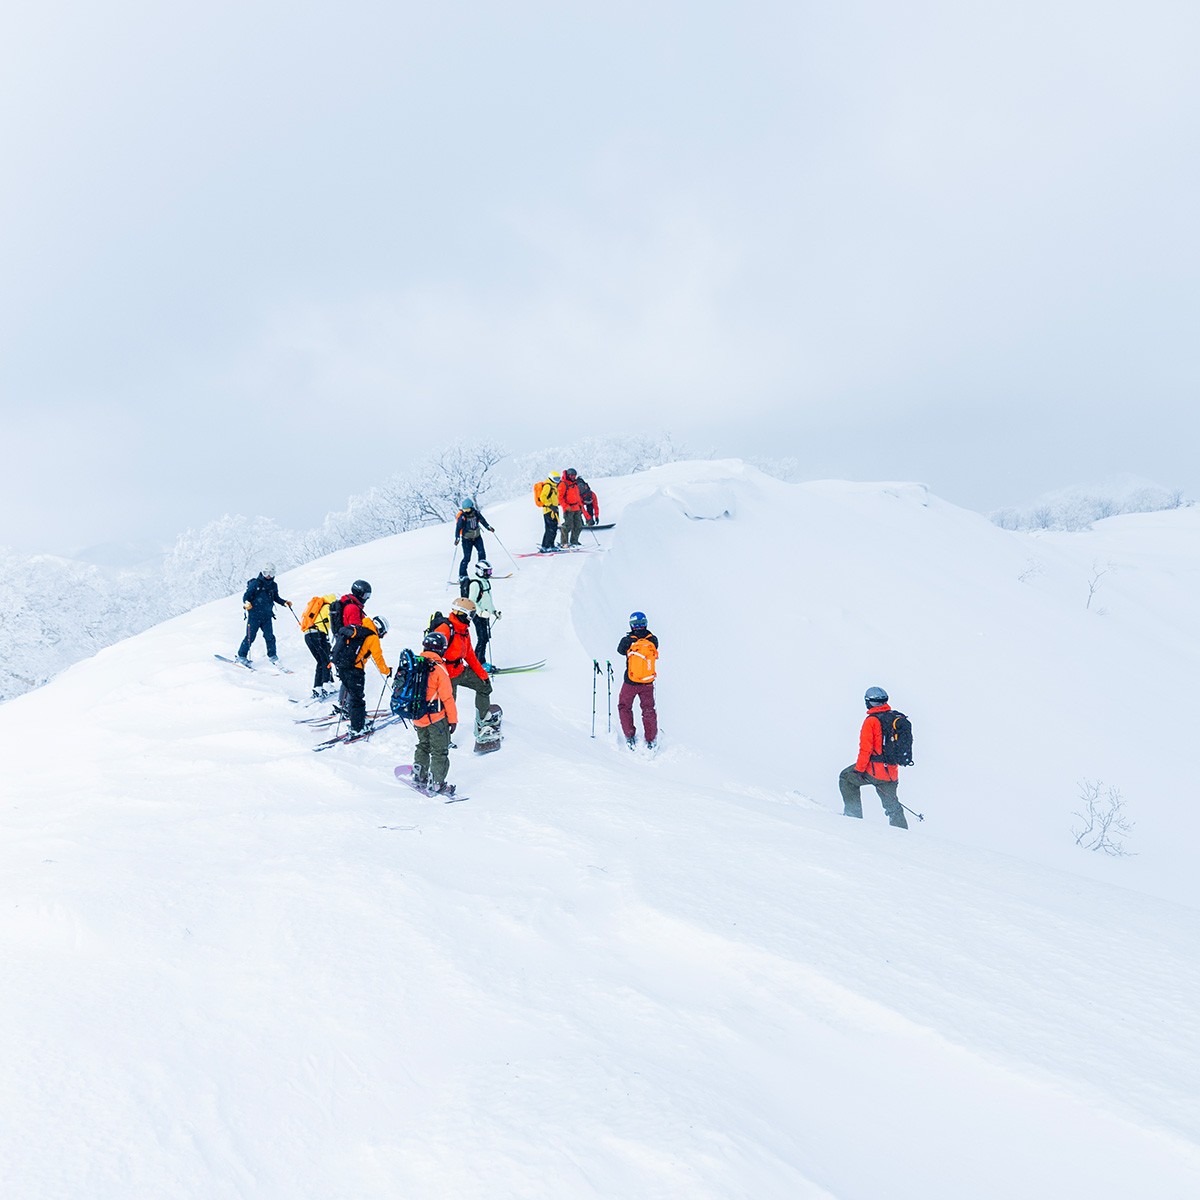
[
  {"x": 637, "y": 620},
  {"x": 435, "y": 641},
  {"x": 570, "y": 473},
  {"x": 381, "y": 625},
  {"x": 874, "y": 696},
  {"x": 361, "y": 588}
]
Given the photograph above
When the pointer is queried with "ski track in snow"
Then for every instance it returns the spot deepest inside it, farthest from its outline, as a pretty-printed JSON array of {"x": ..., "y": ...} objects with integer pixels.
[{"x": 235, "y": 968}]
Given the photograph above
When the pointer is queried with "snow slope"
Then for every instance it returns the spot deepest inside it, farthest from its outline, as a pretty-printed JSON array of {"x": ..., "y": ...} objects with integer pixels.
[{"x": 236, "y": 968}]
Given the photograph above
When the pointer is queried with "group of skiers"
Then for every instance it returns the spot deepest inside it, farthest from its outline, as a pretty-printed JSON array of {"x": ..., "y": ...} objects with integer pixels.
[
  {"x": 340, "y": 635},
  {"x": 567, "y": 504}
]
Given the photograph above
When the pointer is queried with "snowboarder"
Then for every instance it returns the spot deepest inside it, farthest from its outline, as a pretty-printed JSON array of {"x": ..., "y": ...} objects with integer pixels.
[
  {"x": 640, "y": 648},
  {"x": 545, "y": 496},
  {"x": 479, "y": 591},
  {"x": 352, "y": 646},
  {"x": 591, "y": 504},
  {"x": 350, "y": 608},
  {"x": 431, "y": 758},
  {"x": 571, "y": 505},
  {"x": 467, "y": 531},
  {"x": 315, "y": 627},
  {"x": 868, "y": 767},
  {"x": 459, "y": 656},
  {"x": 262, "y": 594}
]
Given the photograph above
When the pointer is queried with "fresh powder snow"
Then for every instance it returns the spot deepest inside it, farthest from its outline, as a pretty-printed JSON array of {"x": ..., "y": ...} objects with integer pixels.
[{"x": 235, "y": 968}]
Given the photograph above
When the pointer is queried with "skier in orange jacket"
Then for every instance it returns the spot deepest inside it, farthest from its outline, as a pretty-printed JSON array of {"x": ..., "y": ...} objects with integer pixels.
[
  {"x": 867, "y": 769},
  {"x": 431, "y": 758}
]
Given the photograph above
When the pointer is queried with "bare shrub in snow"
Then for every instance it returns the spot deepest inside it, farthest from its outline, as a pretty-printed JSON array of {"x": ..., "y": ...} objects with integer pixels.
[
  {"x": 1099, "y": 570},
  {"x": 1102, "y": 824}
]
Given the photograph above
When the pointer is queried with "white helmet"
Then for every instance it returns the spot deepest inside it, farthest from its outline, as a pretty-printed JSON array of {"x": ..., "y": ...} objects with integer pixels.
[
  {"x": 463, "y": 606},
  {"x": 268, "y": 569},
  {"x": 483, "y": 569}
]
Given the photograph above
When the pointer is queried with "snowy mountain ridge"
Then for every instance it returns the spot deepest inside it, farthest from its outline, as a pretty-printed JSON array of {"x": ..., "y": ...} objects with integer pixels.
[{"x": 238, "y": 968}]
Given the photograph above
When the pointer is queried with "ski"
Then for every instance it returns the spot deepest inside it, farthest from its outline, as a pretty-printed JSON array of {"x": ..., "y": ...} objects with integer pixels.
[
  {"x": 351, "y": 738},
  {"x": 562, "y": 550},
  {"x": 457, "y": 582},
  {"x": 237, "y": 662},
  {"x": 594, "y": 528},
  {"x": 533, "y": 666},
  {"x": 331, "y": 718},
  {"x": 404, "y": 773}
]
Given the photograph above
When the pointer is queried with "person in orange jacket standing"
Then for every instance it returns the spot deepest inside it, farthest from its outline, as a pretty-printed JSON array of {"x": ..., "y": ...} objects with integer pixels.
[
  {"x": 353, "y": 646},
  {"x": 431, "y": 758},
  {"x": 869, "y": 768}
]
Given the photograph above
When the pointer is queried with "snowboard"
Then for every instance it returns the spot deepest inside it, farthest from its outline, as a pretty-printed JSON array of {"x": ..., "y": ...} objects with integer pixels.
[
  {"x": 487, "y": 733},
  {"x": 404, "y": 773}
]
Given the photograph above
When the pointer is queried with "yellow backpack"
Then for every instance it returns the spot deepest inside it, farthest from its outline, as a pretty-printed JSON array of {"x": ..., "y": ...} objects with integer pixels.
[{"x": 642, "y": 660}]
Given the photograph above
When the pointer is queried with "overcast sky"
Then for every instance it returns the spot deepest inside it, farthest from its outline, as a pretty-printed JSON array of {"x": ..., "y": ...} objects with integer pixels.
[{"x": 254, "y": 255}]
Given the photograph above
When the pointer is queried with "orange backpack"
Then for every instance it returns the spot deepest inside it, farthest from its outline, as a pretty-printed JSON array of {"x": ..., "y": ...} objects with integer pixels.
[
  {"x": 642, "y": 660},
  {"x": 312, "y": 612}
]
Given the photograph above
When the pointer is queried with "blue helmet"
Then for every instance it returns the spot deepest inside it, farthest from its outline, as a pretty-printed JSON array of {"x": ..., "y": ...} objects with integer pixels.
[
  {"x": 467, "y": 502},
  {"x": 637, "y": 620},
  {"x": 874, "y": 696}
]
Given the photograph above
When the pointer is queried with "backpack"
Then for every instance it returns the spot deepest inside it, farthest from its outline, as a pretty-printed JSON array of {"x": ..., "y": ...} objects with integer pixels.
[
  {"x": 346, "y": 646},
  {"x": 642, "y": 661},
  {"x": 469, "y": 524},
  {"x": 411, "y": 687},
  {"x": 311, "y": 613},
  {"x": 897, "y": 739}
]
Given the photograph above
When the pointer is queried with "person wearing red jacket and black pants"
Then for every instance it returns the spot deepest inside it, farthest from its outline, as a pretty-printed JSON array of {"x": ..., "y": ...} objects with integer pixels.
[{"x": 868, "y": 767}]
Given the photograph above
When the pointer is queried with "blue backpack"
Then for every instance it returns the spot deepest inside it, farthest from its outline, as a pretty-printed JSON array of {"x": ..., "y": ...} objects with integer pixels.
[{"x": 410, "y": 686}]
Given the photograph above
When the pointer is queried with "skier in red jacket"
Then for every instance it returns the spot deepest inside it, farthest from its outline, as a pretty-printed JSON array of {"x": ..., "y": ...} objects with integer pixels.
[{"x": 868, "y": 769}]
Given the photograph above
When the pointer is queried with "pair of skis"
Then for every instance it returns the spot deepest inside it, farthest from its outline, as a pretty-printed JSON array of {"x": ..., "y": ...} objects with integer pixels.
[{"x": 237, "y": 662}]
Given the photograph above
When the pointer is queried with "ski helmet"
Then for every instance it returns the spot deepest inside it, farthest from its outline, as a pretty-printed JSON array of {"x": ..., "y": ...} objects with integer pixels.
[
  {"x": 874, "y": 696},
  {"x": 554, "y": 478},
  {"x": 381, "y": 625},
  {"x": 483, "y": 569},
  {"x": 637, "y": 620},
  {"x": 463, "y": 606},
  {"x": 268, "y": 569},
  {"x": 361, "y": 588},
  {"x": 571, "y": 473},
  {"x": 435, "y": 641},
  {"x": 467, "y": 502}
]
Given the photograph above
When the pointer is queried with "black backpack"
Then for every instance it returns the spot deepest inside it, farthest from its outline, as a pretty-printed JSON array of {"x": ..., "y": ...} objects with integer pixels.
[
  {"x": 897, "y": 739},
  {"x": 346, "y": 645},
  {"x": 410, "y": 687}
]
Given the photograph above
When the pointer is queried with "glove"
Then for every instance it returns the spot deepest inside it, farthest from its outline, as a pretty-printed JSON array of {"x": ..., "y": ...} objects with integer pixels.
[
  {"x": 498, "y": 614},
  {"x": 288, "y": 603},
  {"x": 246, "y": 605},
  {"x": 453, "y": 726},
  {"x": 388, "y": 673},
  {"x": 456, "y": 541},
  {"x": 491, "y": 529},
  {"x": 591, "y": 520}
]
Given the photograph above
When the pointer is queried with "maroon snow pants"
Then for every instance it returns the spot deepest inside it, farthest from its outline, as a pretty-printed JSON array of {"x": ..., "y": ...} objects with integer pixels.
[{"x": 645, "y": 693}]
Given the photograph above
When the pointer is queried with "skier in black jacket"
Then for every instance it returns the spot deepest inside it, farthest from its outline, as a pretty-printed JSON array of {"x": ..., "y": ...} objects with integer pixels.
[{"x": 262, "y": 594}]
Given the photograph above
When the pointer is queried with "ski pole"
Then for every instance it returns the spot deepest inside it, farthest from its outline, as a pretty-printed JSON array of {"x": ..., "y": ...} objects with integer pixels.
[
  {"x": 293, "y": 612},
  {"x": 383, "y": 689},
  {"x": 505, "y": 549},
  {"x": 610, "y": 679},
  {"x": 919, "y": 816},
  {"x": 595, "y": 672},
  {"x": 453, "y": 556}
]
